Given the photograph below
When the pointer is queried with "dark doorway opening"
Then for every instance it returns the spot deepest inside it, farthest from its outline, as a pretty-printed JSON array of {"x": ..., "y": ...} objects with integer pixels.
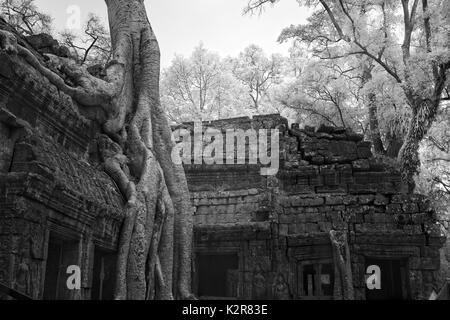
[
  {"x": 61, "y": 254},
  {"x": 103, "y": 276},
  {"x": 215, "y": 275},
  {"x": 394, "y": 280}
]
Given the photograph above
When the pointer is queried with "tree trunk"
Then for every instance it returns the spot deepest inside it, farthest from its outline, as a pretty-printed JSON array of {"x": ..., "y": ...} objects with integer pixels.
[
  {"x": 343, "y": 289},
  {"x": 423, "y": 116},
  {"x": 374, "y": 124},
  {"x": 162, "y": 233},
  {"x": 154, "y": 258},
  {"x": 394, "y": 145},
  {"x": 424, "y": 112}
]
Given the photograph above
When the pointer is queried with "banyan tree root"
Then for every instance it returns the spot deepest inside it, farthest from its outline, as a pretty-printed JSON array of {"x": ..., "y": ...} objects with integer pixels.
[
  {"x": 342, "y": 265},
  {"x": 154, "y": 259}
]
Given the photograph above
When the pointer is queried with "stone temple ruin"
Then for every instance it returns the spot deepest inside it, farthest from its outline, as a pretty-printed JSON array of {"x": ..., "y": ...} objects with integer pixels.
[
  {"x": 310, "y": 232},
  {"x": 269, "y": 237}
]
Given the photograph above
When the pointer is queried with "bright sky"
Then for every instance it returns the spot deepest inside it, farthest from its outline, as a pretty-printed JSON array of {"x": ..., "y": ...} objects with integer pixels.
[{"x": 181, "y": 25}]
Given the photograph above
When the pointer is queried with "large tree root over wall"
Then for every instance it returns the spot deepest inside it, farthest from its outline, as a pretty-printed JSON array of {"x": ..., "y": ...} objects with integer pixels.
[{"x": 154, "y": 259}]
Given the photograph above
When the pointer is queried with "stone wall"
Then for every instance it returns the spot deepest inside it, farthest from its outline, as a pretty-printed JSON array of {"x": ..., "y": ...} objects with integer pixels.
[
  {"x": 5, "y": 148},
  {"x": 328, "y": 180},
  {"x": 51, "y": 185}
]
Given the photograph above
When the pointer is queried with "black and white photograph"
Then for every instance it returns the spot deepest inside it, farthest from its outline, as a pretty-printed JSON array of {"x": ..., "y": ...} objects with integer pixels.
[{"x": 225, "y": 155}]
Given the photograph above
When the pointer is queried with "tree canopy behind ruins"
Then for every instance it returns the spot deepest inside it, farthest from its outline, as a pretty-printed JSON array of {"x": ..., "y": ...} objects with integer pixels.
[{"x": 367, "y": 29}]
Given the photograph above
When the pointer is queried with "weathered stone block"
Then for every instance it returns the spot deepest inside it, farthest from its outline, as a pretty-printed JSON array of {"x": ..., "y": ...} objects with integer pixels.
[
  {"x": 394, "y": 209},
  {"x": 202, "y": 210},
  {"x": 381, "y": 200},
  {"x": 430, "y": 264},
  {"x": 307, "y": 202},
  {"x": 364, "y": 150},
  {"x": 330, "y": 175},
  {"x": 325, "y": 226},
  {"x": 231, "y": 209},
  {"x": 361, "y": 165},
  {"x": 339, "y": 189},
  {"x": 285, "y": 219},
  {"x": 350, "y": 200},
  {"x": 317, "y": 160},
  {"x": 334, "y": 200},
  {"x": 300, "y": 219},
  {"x": 312, "y": 228},
  {"x": 366, "y": 199},
  {"x": 312, "y": 210},
  {"x": 292, "y": 229},
  {"x": 283, "y": 229},
  {"x": 410, "y": 207}
]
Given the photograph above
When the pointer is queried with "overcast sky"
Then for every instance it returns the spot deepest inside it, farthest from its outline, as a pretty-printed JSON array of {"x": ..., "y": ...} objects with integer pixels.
[{"x": 180, "y": 25}]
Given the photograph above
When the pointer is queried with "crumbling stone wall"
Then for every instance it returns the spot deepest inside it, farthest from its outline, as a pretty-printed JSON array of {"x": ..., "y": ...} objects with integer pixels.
[
  {"x": 328, "y": 180},
  {"x": 50, "y": 180}
]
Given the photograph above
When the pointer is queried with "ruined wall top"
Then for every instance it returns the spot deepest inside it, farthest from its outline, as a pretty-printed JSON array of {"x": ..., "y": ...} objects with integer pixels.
[
  {"x": 48, "y": 140},
  {"x": 311, "y": 160}
]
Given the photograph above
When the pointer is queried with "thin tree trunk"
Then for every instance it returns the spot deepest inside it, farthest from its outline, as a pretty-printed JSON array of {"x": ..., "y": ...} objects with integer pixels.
[
  {"x": 342, "y": 263},
  {"x": 375, "y": 125},
  {"x": 394, "y": 145},
  {"x": 372, "y": 106}
]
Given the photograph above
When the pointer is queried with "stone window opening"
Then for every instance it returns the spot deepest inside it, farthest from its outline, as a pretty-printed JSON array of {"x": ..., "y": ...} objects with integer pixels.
[
  {"x": 394, "y": 279},
  {"x": 103, "y": 275},
  {"x": 315, "y": 280},
  {"x": 61, "y": 254}
]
